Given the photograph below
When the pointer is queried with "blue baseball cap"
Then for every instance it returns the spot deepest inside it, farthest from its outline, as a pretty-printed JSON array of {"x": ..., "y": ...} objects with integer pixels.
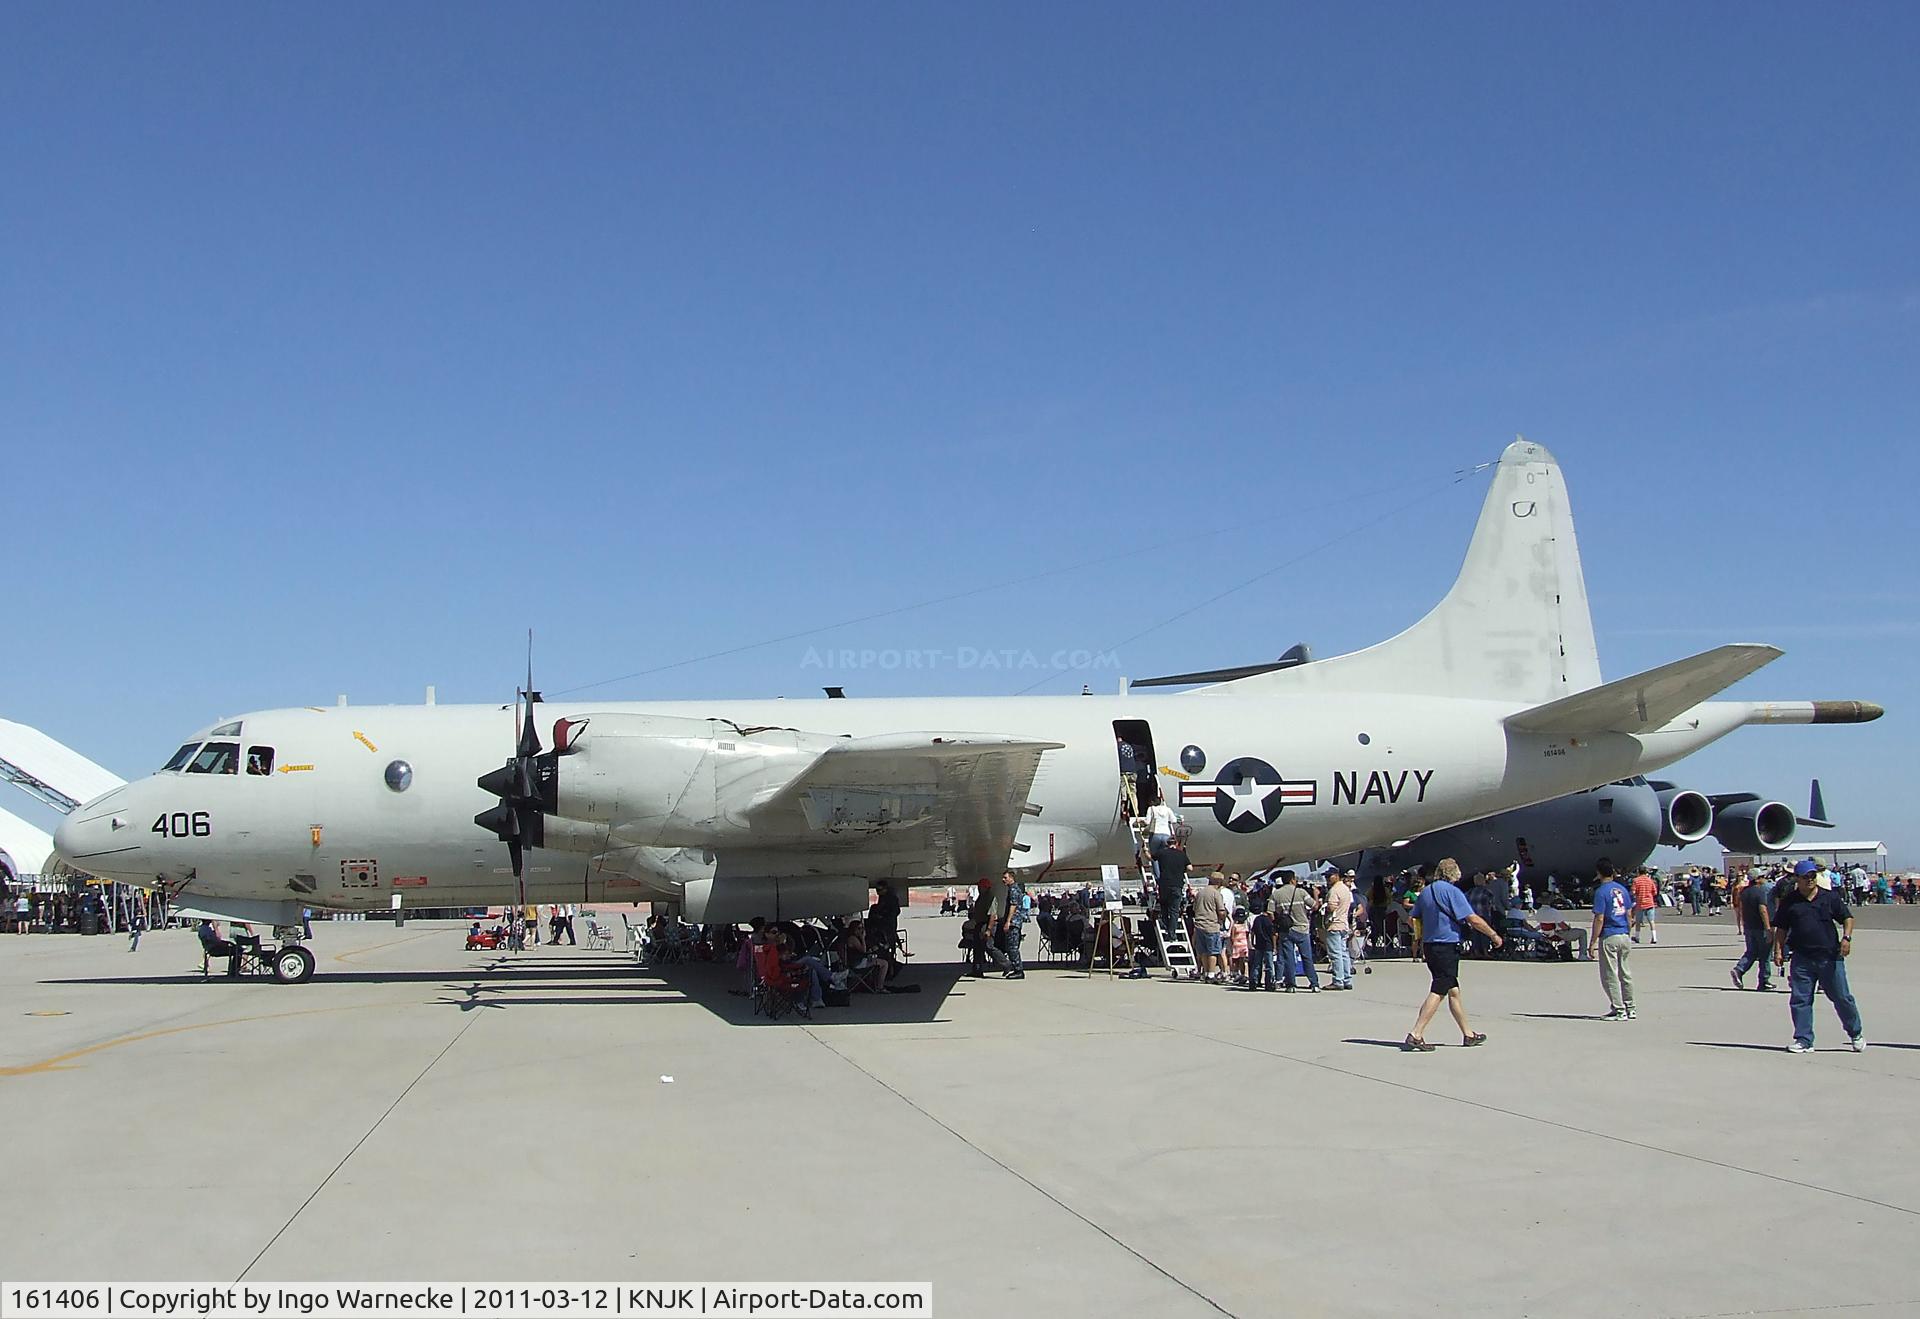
[{"x": 1807, "y": 867}]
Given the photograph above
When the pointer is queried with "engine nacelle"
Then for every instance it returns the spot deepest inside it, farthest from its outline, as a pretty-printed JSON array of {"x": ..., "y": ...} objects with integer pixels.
[
  {"x": 1754, "y": 826},
  {"x": 792, "y": 898},
  {"x": 1686, "y": 817}
]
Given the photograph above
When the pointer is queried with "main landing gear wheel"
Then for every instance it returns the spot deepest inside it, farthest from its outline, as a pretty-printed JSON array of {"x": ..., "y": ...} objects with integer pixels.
[{"x": 293, "y": 966}]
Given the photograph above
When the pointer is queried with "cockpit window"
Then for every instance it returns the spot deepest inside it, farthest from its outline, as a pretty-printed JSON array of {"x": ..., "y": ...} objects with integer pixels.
[
  {"x": 181, "y": 757},
  {"x": 259, "y": 760},
  {"x": 216, "y": 758},
  {"x": 231, "y": 729}
]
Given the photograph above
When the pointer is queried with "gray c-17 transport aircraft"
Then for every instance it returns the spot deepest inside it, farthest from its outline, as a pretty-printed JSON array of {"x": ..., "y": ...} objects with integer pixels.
[
  {"x": 1565, "y": 838},
  {"x": 733, "y": 809}
]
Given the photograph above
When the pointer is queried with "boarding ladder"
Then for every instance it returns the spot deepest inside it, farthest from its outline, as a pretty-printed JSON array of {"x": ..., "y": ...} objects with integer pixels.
[{"x": 1176, "y": 954}]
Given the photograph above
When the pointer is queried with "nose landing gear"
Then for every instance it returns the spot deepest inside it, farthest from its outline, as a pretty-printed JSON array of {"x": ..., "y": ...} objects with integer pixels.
[{"x": 293, "y": 964}]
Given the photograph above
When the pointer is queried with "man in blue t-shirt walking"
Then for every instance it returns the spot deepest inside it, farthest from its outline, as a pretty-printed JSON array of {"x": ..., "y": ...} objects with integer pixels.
[
  {"x": 1612, "y": 908},
  {"x": 1443, "y": 912}
]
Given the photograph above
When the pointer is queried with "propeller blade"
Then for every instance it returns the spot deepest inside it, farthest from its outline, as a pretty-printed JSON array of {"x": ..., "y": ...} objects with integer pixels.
[
  {"x": 502, "y": 821},
  {"x": 532, "y": 825},
  {"x": 527, "y": 785},
  {"x": 529, "y": 733}
]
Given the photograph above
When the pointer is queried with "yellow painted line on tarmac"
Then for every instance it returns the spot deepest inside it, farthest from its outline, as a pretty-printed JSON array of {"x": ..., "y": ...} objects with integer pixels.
[
  {"x": 391, "y": 943},
  {"x": 58, "y": 1062}
]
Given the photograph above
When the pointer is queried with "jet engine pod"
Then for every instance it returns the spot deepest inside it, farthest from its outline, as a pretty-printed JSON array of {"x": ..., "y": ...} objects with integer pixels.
[
  {"x": 736, "y": 898},
  {"x": 1754, "y": 826},
  {"x": 1686, "y": 817}
]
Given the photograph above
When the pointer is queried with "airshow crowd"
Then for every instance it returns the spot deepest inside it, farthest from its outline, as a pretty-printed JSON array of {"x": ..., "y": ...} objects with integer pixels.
[{"x": 1270, "y": 932}]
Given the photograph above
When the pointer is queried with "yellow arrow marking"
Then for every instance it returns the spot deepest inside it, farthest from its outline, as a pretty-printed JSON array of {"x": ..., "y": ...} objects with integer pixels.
[
  {"x": 361, "y": 738},
  {"x": 295, "y": 769}
]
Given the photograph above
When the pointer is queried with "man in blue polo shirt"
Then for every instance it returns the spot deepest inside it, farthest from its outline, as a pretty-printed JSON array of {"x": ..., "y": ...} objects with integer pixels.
[
  {"x": 1443, "y": 912},
  {"x": 1803, "y": 926}
]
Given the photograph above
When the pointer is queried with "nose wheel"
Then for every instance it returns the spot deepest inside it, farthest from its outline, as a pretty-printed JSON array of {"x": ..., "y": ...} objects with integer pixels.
[{"x": 293, "y": 965}]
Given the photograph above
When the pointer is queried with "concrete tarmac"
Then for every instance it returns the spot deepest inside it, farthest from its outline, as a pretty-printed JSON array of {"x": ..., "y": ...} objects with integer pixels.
[{"x": 1065, "y": 1144}]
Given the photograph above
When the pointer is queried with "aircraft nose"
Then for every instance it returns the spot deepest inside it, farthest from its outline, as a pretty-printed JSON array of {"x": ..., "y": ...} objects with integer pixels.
[
  {"x": 1637, "y": 821},
  {"x": 75, "y": 838},
  {"x": 96, "y": 838},
  {"x": 66, "y": 839}
]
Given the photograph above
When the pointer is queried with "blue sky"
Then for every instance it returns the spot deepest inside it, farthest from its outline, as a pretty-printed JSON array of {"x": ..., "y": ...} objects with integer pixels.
[{"x": 342, "y": 344}]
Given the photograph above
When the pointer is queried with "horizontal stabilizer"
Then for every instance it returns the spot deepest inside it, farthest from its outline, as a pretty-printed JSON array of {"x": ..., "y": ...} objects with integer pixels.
[
  {"x": 1295, "y": 656},
  {"x": 1647, "y": 700}
]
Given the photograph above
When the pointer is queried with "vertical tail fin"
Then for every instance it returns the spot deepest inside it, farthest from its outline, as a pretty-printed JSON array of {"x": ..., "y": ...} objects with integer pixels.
[
  {"x": 1816, "y": 815},
  {"x": 1514, "y": 627}
]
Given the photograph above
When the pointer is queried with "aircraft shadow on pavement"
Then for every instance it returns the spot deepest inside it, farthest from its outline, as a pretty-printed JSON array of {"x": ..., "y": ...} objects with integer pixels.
[
  {"x": 527, "y": 972},
  {"x": 607, "y": 980},
  {"x": 710, "y": 985}
]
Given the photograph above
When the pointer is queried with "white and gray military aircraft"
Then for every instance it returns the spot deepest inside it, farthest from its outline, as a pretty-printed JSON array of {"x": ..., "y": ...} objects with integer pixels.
[{"x": 732, "y": 809}]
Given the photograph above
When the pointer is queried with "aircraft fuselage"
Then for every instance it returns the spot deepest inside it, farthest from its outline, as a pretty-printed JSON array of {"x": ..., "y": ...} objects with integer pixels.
[{"x": 1260, "y": 779}]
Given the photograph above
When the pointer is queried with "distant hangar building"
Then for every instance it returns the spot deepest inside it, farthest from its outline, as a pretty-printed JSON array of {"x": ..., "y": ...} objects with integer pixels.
[{"x": 1845, "y": 856}]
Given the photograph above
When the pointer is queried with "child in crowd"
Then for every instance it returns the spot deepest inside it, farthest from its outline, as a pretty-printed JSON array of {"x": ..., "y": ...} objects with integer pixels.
[
  {"x": 1237, "y": 948},
  {"x": 1260, "y": 951}
]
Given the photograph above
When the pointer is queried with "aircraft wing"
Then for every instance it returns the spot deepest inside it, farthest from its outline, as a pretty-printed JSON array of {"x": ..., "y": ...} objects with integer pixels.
[
  {"x": 43, "y": 768},
  {"x": 1647, "y": 700},
  {"x": 898, "y": 806}
]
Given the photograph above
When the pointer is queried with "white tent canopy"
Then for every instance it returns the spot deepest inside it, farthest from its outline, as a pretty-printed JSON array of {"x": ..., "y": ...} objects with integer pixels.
[
  {"x": 56, "y": 774},
  {"x": 27, "y": 846}
]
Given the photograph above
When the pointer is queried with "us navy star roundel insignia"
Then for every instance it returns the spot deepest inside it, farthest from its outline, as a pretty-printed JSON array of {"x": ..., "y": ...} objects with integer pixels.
[{"x": 1248, "y": 794}]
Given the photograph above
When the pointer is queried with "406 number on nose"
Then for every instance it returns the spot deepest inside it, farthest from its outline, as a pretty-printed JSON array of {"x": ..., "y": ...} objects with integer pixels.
[{"x": 180, "y": 824}]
